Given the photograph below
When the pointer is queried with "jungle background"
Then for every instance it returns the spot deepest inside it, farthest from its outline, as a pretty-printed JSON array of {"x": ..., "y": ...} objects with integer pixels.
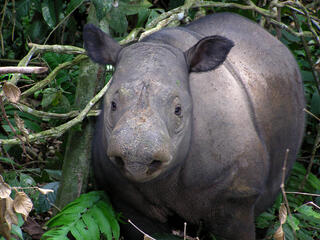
[{"x": 48, "y": 94}]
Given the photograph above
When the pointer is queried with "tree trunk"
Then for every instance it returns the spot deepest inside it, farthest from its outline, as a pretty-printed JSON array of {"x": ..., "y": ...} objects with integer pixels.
[{"x": 77, "y": 159}]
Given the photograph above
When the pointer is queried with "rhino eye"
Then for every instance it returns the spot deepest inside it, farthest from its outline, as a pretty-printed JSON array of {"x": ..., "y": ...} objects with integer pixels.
[
  {"x": 178, "y": 110},
  {"x": 113, "y": 106}
]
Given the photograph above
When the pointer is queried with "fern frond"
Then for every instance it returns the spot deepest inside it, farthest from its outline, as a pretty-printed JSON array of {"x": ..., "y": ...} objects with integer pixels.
[{"x": 87, "y": 217}]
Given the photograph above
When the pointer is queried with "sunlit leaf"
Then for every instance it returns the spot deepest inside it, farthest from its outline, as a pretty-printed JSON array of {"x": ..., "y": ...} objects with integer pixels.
[
  {"x": 45, "y": 191},
  {"x": 22, "y": 204},
  {"x": 5, "y": 189},
  {"x": 48, "y": 12},
  {"x": 279, "y": 234},
  {"x": 308, "y": 210},
  {"x": 283, "y": 214}
]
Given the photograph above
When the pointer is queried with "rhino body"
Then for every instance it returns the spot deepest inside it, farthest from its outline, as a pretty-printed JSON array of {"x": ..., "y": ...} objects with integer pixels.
[{"x": 196, "y": 124}]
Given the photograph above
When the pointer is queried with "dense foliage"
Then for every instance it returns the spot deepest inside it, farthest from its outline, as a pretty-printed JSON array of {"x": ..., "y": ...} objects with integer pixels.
[{"x": 34, "y": 160}]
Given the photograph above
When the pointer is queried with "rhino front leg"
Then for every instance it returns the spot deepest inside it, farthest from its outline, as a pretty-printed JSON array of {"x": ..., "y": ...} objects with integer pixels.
[
  {"x": 234, "y": 220},
  {"x": 144, "y": 223}
]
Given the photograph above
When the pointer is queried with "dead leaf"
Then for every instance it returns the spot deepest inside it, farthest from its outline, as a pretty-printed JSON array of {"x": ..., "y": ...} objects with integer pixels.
[
  {"x": 279, "y": 234},
  {"x": 20, "y": 125},
  {"x": 283, "y": 213},
  {"x": 9, "y": 215},
  {"x": 5, "y": 189},
  {"x": 4, "y": 227},
  {"x": 12, "y": 92},
  {"x": 45, "y": 191},
  {"x": 33, "y": 228},
  {"x": 22, "y": 204}
]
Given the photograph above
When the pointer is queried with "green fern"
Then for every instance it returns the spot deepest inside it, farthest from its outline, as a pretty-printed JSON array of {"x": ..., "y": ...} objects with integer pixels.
[{"x": 87, "y": 217}]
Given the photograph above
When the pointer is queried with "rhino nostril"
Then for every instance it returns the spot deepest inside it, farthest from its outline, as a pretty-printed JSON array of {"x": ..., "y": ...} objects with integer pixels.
[
  {"x": 154, "y": 166},
  {"x": 119, "y": 161}
]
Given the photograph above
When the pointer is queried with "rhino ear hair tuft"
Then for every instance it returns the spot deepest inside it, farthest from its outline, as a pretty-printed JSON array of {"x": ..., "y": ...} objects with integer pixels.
[
  {"x": 100, "y": 47},
  {"x": 208, "y": 53}
]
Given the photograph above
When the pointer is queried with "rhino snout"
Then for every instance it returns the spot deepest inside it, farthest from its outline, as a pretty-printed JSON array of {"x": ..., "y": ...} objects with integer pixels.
[{"x": 140, "y": 163}]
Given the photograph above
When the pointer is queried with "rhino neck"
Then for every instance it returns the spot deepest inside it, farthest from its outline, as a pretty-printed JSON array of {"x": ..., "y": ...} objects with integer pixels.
[{"x": 174, "y": 36}]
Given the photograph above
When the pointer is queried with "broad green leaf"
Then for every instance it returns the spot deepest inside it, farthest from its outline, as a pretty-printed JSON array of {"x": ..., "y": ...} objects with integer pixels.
[
  {"x": 73, "y": 4},
  {"x": 87, "y": 216},
  {"x": 315, "y": 103},
  {"x": 16, "y": 230},
  {"x": 314, "y": 181},
  {"x": 23, "y": 8},
  {"x": 43, "y": 204},
  {"x": 91, "y": 226},
  {"x": 49, "y": 95},
  {"x": 54, "y": 174},
  {"x": 307, "y": 76},
  {"x": 293, "y": 222},
  {"x": 26, "y": 180},
  {"x": 36, "y": 30},
  {"x": 63, "y": 219},
  {"x": 288, "y": 232},
  {"x": 304, "y": 236},
  {"x": 118, "y": 20},
  {"x": 131, "y": 8},
  {"x": 102, "y": 7},
  {"x": 82, "y": 228},
  {"x": 101, "y": 221},
  {"x": 300, "y": 169},
  {"x": 56, "y": 234},
  {"x": 48, "y": 12},
  {"x": 76, "y": 233},
  {"x": 34, "y": 126},
  {"x": 143, "y": 15},
  {"x": 264, "y": 220},
  {"x": 7, "y": 160},
  {"x": 308, "y": 210},
  {"x": 82, "y": 203},
  {"x": 108, "y": 212}
]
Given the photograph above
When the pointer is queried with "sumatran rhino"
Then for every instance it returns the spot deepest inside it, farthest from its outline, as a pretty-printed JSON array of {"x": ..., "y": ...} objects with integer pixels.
[{"x": 196, "y": 123}]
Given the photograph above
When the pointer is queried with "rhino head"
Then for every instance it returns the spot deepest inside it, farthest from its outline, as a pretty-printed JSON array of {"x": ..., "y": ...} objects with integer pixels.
[{"x": 147, "y": 119}]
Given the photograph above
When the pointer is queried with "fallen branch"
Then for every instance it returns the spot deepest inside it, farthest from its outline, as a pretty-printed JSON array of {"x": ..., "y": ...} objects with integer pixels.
[
  {"x": 36, "y": 70},
  {"x": 53, "y": 74},
  {"x": 57, "y": 49},
  {"x": 49, "y": 115}
]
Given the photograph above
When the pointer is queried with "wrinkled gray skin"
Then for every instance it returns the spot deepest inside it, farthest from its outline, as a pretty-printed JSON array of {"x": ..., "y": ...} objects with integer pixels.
[{"x": 190, "y": 129}]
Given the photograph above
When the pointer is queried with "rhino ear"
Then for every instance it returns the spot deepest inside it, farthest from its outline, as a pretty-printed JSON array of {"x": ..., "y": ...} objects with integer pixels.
[
  {"x": 208, "y": 53},
  {"x": 100, "y": 47}
]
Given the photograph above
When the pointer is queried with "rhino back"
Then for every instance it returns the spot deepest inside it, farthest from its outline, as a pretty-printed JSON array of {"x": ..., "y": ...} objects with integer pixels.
[{"x": 268, "y": 80}]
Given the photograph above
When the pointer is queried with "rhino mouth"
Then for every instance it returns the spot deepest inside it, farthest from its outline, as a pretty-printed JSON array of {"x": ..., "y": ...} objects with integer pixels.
[{"x": 138, "y": 171}]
